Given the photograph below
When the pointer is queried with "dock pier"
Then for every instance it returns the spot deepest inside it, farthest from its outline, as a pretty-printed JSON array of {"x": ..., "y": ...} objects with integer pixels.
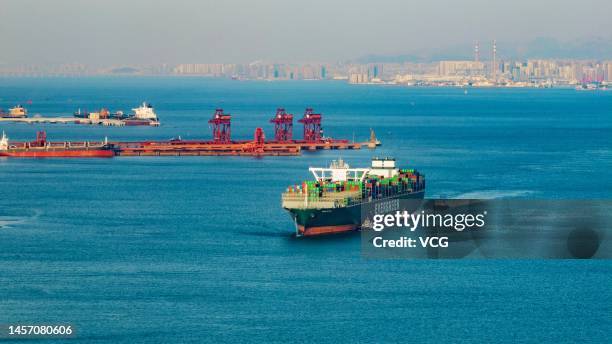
[{"x": 66, "y": 120}]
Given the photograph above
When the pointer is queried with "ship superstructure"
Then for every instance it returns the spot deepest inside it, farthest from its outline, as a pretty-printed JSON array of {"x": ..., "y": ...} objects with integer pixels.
[
  {"x": 145, "y": 111},
  {"x": 15, "y": 112},
  {"x": 143, "y": 115}
]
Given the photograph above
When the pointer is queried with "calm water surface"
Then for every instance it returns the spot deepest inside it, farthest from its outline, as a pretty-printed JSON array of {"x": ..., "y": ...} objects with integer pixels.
[{"x": 198, "y": 249}]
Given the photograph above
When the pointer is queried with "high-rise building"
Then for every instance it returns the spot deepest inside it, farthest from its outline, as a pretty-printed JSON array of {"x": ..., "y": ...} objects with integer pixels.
[
  {"x": 358, "y": 78},
  {"x": 567, "y": 73},
  {"x": 308, "y": 72},
  {"x": 200, "y": 69},
  {"x": 460, "y": 68}
]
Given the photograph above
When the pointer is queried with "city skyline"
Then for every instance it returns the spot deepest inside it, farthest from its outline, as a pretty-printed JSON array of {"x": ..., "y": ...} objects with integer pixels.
[
  {"x": 477, "y": 72},
  {"x": 102, "y": 33}
]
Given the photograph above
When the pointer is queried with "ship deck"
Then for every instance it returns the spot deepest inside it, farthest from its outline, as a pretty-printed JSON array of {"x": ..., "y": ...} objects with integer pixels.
[
  {"x": 236, "y": 148},
  {"x": 65, "y": 120},
  {"x": 333, "y": 200}
]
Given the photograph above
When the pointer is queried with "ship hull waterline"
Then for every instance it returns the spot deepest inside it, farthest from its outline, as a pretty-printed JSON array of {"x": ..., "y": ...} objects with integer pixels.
[
  {"x": 320, "y": 222},
  {"x": 89, "y": 153}
]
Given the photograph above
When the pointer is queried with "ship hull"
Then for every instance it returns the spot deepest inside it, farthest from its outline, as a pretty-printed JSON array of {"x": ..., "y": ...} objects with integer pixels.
[
  {"x": 13, "y": 116},
  {"x": 137, "y": 122},
  {"x": 317, "y": 222},
  {"x": 70, "y": 153}
]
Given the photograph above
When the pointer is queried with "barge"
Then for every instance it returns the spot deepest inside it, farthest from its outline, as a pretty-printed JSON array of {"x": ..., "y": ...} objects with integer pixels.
[{"x": 41, "y": 148}]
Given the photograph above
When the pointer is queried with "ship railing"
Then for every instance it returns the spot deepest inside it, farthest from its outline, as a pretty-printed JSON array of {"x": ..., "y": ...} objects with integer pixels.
[
  {"x": 302, "y": 204},
  {"x": 20, "y": 145},
  {"x": 84, "y": 144},
  {"x": 340, "y": 199},
  {"x": 327, "y": 200}
]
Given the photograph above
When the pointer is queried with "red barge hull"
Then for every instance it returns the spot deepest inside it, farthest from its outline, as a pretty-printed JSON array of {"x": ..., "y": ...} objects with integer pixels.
[
  {"x": 41, "y": 148},
  {"x": 73, "y": 153},
  {"x": 326, "y": 230}
]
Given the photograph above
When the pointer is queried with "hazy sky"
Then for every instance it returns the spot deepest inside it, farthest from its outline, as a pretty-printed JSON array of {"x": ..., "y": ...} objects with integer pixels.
[{"x": 190, "y": 31}]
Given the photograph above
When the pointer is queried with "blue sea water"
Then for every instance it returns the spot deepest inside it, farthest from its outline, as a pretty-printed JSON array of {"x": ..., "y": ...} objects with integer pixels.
[{"x": 197, "y": 249}]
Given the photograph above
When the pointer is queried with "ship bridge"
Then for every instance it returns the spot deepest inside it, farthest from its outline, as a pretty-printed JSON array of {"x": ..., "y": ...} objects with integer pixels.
[
  {"x": 339, "y": 171},
  {"x": 384, "y": 167}
]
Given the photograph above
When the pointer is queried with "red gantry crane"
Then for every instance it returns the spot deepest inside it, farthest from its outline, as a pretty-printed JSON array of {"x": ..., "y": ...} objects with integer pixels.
[
  {"x": 283, "y": 126},
  {"x": 221, "y": 126},
  {"x": 312, "y": 126}
]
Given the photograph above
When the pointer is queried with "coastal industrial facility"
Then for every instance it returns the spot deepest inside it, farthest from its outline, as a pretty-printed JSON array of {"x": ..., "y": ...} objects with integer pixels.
[{"x": 283, "y": 142}]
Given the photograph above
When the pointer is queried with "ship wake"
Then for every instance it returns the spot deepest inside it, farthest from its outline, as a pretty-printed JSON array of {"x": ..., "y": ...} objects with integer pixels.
[
  {"x": 495, "y": 194},
  {"x": 11, "y": 221}
]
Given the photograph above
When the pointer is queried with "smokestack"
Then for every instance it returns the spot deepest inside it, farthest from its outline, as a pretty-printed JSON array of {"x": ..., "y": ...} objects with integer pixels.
[{"x": 494, "y": 66}]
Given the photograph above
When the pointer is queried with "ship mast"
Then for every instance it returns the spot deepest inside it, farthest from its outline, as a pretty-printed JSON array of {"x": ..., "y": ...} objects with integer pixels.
[{"x": 4, "y": 142}]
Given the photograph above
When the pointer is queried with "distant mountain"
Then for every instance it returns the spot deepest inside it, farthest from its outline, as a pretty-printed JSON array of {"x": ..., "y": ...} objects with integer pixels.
[
  {"x": 375, "y": 58},
  {"x": 593, "y": 48},
  {"x": 541, "y": 47},
  {"x": 124, "y": 70}
]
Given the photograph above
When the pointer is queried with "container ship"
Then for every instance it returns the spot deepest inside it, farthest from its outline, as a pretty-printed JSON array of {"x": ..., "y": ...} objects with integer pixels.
[
  {"x": 41, "y": 148},
  {"x": 332, "y": 202}
]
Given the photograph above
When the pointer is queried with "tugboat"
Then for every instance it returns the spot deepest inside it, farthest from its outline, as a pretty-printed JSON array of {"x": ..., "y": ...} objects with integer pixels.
[
  {"x": 41, "y": 148},
  {"x": 332, "y": 202}
]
